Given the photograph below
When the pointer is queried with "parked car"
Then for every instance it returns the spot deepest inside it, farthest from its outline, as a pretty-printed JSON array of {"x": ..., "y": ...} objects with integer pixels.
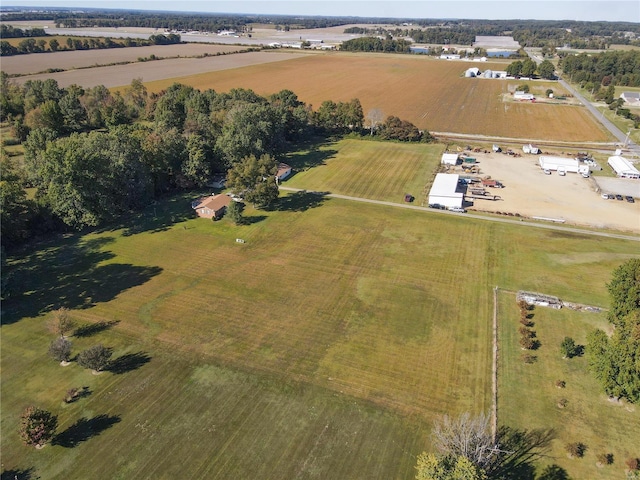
[
  {"x": 457, "y": 209},
  {"x": 605, "y": 196},
  {"x": 547, "y": 171},
  {"x": 437, "y": 206},
  {"x": 408, "y": 197},
  {"x": 630, "y": 199},
  {"x": 619, "y": 197}
]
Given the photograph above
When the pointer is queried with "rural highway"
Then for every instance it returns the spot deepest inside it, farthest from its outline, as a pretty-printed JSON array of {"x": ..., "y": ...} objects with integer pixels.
[
  {"x": 471, "y": 215},
  {"x": 599, "y": 116}
]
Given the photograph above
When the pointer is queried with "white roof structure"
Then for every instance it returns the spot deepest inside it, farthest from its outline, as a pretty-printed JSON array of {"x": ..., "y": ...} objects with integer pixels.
[
  {"x": 623, "y": 167},
  {"x": 632, "y": 98},
  {"x": 443, "y": 190},
  {"x": 449, "y": 158}
]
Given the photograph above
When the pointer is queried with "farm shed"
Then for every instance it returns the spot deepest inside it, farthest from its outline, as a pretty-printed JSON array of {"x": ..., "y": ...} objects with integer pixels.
[
  {"x": 531, "y": 149},
  {"x": 623, "y": 167},
  {"x": 563, "y": 163},
  {"x": 284, "y": 171},
  {"x": 472, "y": 72},
  {"x": 444, "y": 191},
  {"x": 523, "y": 96},
  {"x": 449, "y": 159},
  {"x": 632, "y": 98},
  {"x": 213, "y": 206}
]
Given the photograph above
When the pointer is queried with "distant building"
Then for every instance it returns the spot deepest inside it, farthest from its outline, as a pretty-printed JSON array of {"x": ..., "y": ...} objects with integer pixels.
[
  {"x": 523, "y": 96},
  {"x": 531, "y": 148},
  {"x": 623, "y": 167},
  {"x": 284, "y": 171},
  {"x": 450, "y": 56},
  {"x": 631, "y": 98},
  {"x": 563, "y": 164}
]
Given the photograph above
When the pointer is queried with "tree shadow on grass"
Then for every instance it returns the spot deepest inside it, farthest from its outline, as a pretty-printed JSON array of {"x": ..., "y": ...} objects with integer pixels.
[
  {"x": 66, "y": 271},
  {"x": 90, "y": 329},
  {"x": 519, "y": 449},
  {"x": 553, "y": 472},
  {"x": 298, "y": 201},
  {"x": 19, "y": 474},
  {"x": 84, "y": 429},
  {"x": 310, "y": 154},
  {"x": 160, "y": 215},
  {"x": 128, "y": 362}
]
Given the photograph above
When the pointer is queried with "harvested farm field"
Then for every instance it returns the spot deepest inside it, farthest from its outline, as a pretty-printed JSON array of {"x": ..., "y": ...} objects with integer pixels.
[
  {"x": 40, "y": 62},
  {"x": 431, "y": 93},
  {"x": 121, "y": 75}
]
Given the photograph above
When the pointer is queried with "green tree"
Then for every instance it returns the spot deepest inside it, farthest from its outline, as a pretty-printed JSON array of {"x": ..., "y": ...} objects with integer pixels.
[
  {"x": 60, "y": 350},
  {"x": 37, "y": 426},
  {"x": 615, "y": 361},
  {"x": 528, "y": 67},
  {"x": 624, "y": 290},
  {"x": 96, "y": 358},
  {"x": 568, "y": 348},
  {"x": 14, "y": 207},
  {"x": 73, "y": 113},
  {"x": 546, "y": 69},
  {"x": 435, "y": 467},
  {"x": 54, "y": 45},
  {"x": 514, "y": 69},
  {"x": 254, "y": 179},
  {"x": 234, "y": 212}
]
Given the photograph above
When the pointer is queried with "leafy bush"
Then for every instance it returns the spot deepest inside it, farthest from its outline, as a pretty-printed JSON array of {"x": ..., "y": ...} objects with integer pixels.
[
  {"x": 60, "y": 349},
  {"x": 576, "y": 449},
  {"x": 95, "y": 358},
  {"x": 37, "y": 426},
  {"x": 605, "y": 458}
]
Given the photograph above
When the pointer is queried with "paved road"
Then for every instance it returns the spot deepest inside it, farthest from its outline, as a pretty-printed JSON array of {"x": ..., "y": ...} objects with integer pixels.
[
  {"x": 523, "y": 222},
  {"x": 615, "y": 131}
]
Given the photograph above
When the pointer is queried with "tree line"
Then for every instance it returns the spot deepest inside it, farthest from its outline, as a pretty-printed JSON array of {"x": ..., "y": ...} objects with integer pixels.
[
  {"x": 615, "y": 359},
  {"x": 9, "y": 31},
  {"x": 613, "y": 67},
  {"x": 40, "y": 45},
  {"x": 376, "y": 44},
  {"x": 91, "y": 159}
]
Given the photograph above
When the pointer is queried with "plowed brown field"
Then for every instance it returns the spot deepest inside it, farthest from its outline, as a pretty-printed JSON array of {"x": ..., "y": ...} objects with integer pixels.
[{"x": 430, "y": 93}]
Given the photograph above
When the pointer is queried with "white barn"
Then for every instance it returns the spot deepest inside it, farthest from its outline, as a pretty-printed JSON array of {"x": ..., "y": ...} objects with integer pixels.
[
  {"x": 631, "y": 98},
  {"x": 444, "y": 191},
  {"x": 518, "y": 95},
  {"x": 449, "y": 159},
  {"x": 623, "y": 167},
  {"x": 563, "y": 164}
]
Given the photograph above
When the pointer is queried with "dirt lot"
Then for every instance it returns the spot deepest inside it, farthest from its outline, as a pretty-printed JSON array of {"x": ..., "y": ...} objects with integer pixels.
[
  {"x": 529, "y": 192},
  {"x": 39, "y": 62},
  {"x": 121, "y": 75}
]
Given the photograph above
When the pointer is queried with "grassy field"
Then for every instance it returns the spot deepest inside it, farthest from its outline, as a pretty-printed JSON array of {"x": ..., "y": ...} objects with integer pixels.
[
  {"x": 588, "y": 417},
  {"x": 323, "y": 347},
  {"x": 433, "y": 94},
  {"x": 366, "y": 169}
]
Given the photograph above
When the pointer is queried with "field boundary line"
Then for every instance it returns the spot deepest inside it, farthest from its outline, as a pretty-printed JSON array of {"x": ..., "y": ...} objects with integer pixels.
[{"x": 494, "y": 368}]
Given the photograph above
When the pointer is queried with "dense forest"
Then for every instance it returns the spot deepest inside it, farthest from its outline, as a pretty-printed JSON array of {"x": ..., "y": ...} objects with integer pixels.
[
  {"x": 376, "y": 44},
  {"x": 605, "y": 68},
  {"x": 91, "y": 159}
]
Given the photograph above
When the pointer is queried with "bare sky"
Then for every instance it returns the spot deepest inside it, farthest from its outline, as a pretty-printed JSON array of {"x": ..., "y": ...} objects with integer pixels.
[{"x": 613, "y": 10}]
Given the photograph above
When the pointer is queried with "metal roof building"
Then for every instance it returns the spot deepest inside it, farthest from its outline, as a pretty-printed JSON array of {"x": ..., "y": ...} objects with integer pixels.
[
  {"x": 623, "y": 167},
  {"x": 444, "y": 191}
]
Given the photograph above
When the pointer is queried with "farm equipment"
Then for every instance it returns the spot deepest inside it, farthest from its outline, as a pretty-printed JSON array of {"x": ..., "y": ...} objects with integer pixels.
[
  {"x": 492, "y": 183},
  {"x": 477, "y": 191},
  {"x": 469, "y": 160}
]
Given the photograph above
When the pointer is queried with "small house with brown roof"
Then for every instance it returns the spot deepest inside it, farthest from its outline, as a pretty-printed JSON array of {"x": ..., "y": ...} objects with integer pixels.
[
  {"x": 213, "y": 206},
  {"x": 284, "y": 171}
]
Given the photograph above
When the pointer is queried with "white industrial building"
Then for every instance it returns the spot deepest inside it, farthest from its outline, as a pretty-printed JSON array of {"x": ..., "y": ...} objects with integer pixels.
[
  {"x": 518, "y": 95},
  {"x": 449, "y": 159},
  {"x": 444, "y": 191},
  {"x": 623, "y": 167},
  {"x": 563, "y": 164}
]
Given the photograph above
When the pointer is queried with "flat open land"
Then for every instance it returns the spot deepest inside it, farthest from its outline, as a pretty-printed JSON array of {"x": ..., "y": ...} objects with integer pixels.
[
  {"x": 430, "y": 93},
  {"x": 325, "y": 345},
  {"x": 529, "y": 192},
  {"x": 366, "y": 169},
  {"x": 121, "y": 75},
  {"x": 39, "y": 62}
]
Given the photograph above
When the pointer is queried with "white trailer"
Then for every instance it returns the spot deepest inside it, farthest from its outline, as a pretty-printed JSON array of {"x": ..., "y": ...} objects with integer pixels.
[{"x": 563, "y": 164}]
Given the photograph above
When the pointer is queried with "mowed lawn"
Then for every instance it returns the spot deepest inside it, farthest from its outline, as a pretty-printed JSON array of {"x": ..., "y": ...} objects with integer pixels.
[
  {"x": 366, "y": 169},
  {"x": 431, "y": 93},
  {"x": 322, "y": 347},
  {"x": 528, "y": 396}
]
